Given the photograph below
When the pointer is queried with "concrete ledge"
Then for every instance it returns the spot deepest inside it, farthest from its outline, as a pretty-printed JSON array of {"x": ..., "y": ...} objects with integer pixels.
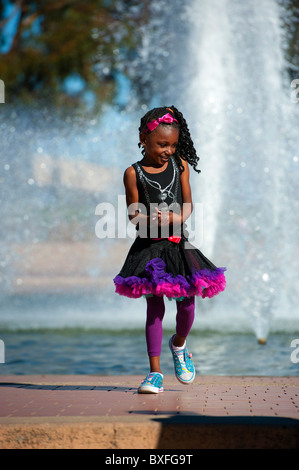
[
  {"x": 222, "y": 433},
  {"x": 79, "y": 434},
  {"x": 90, "y": 412}
]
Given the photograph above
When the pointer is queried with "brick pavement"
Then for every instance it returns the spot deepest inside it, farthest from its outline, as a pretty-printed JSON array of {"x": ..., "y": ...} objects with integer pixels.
[{"x": 106, "y": 412}]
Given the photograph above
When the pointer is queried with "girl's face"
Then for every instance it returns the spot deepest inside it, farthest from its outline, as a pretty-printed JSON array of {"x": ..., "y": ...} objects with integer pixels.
[{"x": 160, "y": 144}]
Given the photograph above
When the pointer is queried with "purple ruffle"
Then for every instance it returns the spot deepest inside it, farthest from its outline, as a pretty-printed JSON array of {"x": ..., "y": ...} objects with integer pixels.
[{"x": 204, "y": 283}]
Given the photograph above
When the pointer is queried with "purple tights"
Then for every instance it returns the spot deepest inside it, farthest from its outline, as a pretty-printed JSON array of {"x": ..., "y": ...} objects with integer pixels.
[{"x": 155, "y": 314}]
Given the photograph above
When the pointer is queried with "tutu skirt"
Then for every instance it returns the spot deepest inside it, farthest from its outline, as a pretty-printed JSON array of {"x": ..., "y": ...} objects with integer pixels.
[{"x": 162, "y": 267}]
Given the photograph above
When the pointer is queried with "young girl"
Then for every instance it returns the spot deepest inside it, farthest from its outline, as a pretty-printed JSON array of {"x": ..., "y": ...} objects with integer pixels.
[{"x": 161, "y": 261}]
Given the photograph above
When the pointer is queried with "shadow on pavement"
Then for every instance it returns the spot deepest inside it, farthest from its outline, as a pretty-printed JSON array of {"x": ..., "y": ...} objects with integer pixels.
[{"x": 190, "y": 431}]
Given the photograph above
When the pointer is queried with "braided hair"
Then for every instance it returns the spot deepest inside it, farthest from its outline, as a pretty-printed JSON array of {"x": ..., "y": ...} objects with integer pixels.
[{"x": 185, "y": 149}]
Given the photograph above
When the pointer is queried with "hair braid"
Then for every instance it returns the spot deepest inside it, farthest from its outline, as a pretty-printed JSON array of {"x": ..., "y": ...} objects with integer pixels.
[{"x": 185, "y": 149}]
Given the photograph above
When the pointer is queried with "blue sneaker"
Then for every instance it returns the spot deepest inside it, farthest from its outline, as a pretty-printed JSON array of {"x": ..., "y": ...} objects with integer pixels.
[
  {"x": 153, "y": 383},
  {"x": 183, "y": 364}
]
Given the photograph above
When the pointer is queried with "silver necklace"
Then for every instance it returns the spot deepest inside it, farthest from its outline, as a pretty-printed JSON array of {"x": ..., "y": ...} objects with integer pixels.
[{"x": 164, "y": 192}]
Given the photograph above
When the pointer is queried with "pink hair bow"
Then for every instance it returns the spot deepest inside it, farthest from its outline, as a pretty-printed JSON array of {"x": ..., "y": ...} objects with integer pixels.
[{"x": 167, "y": 118}]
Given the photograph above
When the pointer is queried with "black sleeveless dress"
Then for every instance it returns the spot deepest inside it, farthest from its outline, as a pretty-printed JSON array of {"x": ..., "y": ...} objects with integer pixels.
[{"x": 162, "y": 261}]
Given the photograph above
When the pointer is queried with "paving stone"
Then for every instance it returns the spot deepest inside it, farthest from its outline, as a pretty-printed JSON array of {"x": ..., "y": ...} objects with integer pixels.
[{"x": 225, "y": 412}]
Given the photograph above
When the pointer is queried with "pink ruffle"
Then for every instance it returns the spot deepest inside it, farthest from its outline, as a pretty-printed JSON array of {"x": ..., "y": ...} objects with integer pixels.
[{"x": 204, "y": 283}]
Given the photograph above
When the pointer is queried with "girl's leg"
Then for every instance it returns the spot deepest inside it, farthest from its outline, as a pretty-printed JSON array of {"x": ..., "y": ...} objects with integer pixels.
[
  {"x": 184, "y": 320},
  {"x": 154, "y": 330},
  {"x": 183, "y": 364}
]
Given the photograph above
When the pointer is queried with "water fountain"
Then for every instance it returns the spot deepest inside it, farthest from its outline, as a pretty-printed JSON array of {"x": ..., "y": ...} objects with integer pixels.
[
  {"x": 226, "y": 68},
  {"x": 222, "y": 63},
  {"x": 246, "y": 124}
]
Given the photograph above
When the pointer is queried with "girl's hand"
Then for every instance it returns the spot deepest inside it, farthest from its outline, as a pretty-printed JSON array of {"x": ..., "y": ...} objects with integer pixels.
[
  {"x": 164, "y": 218},
  {"x": 161, "y": 218}
]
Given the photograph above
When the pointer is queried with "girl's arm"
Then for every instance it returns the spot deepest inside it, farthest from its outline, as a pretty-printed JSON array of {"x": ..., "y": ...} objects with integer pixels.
[
  {"x": 132, "y": 198},
  {"x": 186, "y": 192}
]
